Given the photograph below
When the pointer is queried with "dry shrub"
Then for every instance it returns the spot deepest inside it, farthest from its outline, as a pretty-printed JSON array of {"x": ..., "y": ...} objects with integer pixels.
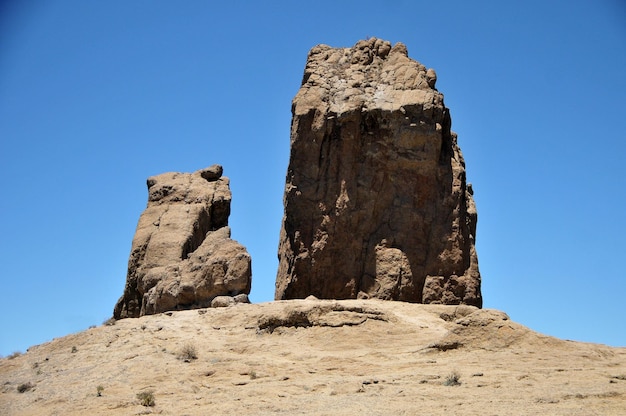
[
  {"x": 146, "y": 398},
  {"x": 24, "y": 387},
  {"x": 452, "y": 379},
  {"x": 188, "y": 353}
]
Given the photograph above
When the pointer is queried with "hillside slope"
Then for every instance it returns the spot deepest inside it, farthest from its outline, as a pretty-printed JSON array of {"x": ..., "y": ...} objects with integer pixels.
[{"x": 316, "y": 357}]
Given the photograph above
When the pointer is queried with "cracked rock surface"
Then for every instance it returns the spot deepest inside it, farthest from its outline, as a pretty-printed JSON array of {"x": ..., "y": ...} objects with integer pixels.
[
  {"x": 182, "y": 256},
  {"x": 376, "y": 199}
]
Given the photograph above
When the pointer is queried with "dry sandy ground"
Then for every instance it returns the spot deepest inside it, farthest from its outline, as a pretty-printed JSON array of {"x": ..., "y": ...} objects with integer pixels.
[{"x": 357, "y": 357}]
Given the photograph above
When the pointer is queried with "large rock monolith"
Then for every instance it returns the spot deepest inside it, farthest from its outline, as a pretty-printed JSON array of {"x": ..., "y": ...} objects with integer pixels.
[
  {"x": 182, "y": 256},
  {"x": 376, "y": 199}
]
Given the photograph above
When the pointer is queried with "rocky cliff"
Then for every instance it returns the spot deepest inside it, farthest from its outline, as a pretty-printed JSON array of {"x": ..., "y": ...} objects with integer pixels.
[
  {"x": 376, "y": 198},
  {"x": 182, "y": 255}
]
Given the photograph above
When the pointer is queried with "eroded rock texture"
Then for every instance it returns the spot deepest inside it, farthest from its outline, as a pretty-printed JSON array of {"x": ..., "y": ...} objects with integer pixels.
[
  {"x": 182, "y": 255},
  {"x": 376, "y": 200}
]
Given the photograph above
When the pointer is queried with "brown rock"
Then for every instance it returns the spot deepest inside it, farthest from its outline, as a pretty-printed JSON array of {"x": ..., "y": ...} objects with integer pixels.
[
  {"x": 224, "y": 301},
  {"x": 182, "y": 255},
  {"x": 376, "y": 200}
]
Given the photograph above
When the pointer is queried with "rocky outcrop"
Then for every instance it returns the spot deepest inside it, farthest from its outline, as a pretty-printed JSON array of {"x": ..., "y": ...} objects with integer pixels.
[
  {"x": 182, "y": 255},
  {"x": 376, "y": 199}
]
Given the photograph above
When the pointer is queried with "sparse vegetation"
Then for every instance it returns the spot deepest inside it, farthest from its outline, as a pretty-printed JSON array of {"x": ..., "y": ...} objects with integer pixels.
[
  {"x": 452, "y": 379},
  {"x": 109, "y": 322},
  {"x": 146, "y": 398},
  {"x": 36, "y": 367},
  {"x": 445, "y": 345},
  {"x": 14, "y": 355},
  {"x": 188, "y": 353},
  {"x": 24, "y": 387},
  {"x": 234, "y": 362}
]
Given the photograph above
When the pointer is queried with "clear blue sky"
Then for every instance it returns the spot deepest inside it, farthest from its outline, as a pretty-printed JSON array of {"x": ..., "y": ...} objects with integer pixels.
[{"x": 95, "y": 96}]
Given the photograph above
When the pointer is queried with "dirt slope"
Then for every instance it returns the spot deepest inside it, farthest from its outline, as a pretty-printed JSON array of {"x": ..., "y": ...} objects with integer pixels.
[{"x": 316, "y": 357}]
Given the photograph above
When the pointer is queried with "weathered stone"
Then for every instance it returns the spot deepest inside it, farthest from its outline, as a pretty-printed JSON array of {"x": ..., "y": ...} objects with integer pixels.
[
  {"x": 376, "y": 200},
  {"x": 241, "y": 298},
  {"x": 182, "y": 255},
  {"x": 224, "y": 301}
]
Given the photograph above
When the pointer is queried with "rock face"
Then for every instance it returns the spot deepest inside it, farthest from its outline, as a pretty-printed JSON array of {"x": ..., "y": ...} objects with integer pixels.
[
  {"x": 182, "y": 255},
  {"x": 376, "y": 200}
]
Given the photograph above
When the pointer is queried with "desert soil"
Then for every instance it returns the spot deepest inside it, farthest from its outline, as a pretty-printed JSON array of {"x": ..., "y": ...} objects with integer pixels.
[{"x": 354, "y": 357}]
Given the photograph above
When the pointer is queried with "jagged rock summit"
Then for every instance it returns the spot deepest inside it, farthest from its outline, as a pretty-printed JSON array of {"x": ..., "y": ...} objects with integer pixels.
[
  {"x": 376, "y": 198},
  {"x": 182, "y": 256}
]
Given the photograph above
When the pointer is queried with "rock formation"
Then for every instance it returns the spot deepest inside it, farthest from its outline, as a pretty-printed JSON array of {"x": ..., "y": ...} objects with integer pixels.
[
  {"x": 376, "y": 200},
  {"x": 182, "y": 255}
]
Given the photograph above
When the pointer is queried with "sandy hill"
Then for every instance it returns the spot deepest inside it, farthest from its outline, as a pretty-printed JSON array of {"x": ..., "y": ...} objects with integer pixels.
[{"x": 315, "y": 357}]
